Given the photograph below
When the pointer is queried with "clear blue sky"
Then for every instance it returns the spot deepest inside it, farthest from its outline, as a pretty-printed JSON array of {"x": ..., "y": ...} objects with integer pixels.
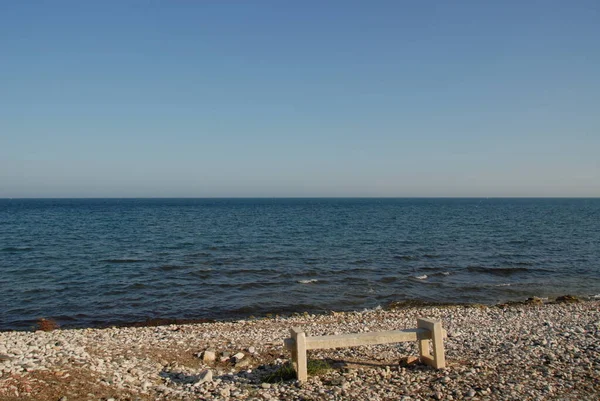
[{"x": 306, "y": 98}]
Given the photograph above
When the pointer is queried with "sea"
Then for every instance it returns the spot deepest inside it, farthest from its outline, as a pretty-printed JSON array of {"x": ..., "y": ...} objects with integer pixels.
[{"x": 103, "y": 262}]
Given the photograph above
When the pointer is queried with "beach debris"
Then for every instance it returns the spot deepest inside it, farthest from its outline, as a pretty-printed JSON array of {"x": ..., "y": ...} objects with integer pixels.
[{"x": 47, "y": 324}]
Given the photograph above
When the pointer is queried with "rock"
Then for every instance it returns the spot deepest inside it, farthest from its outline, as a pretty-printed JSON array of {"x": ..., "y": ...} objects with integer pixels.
[
  {"x": 534, "y": 301},
  {"x": 206, "y": 376},
  {"x": 471, "y": 393},
  {"x": 409, "y": 360},
  {"x": 209, "y": 355},
  {"x": 239, "y": 356},
  {"x": 570, "y": 299},
  {"x": 251, "y": 350},
  {"x": 266, "y": 385},
  {"x": 244, "y": 363},
  {"x": 63, "y": 398}
]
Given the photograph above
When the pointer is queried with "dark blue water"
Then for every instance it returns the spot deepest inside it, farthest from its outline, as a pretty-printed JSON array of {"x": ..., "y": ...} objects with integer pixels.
[{"x": 108, "y": 261}]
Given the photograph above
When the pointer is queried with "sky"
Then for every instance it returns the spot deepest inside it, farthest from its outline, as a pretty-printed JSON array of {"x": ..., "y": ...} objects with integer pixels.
[{"x": 187, "y": 98}]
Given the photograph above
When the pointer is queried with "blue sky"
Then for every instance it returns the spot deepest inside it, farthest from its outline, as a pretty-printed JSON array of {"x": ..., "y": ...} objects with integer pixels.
[{"x": 309, "y": 98}]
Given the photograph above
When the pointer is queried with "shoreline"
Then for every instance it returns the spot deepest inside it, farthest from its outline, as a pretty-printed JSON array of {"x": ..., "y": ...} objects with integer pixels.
[
  {"x": 521, "y": 351},
  {"x": 403, "y": 304}
]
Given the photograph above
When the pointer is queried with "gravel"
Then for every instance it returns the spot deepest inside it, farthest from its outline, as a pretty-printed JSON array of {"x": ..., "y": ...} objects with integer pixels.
[{"x": 518, "y": 352}]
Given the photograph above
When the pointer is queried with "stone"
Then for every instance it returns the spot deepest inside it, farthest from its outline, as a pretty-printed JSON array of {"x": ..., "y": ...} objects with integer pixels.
[
  {"x": 239, "y": 356},
  {"x": 409, "y": 360},
  {"x": 266, "y": 385},
  {"x": 570, "y": 299},
  {"x": 534, "y": 301},
  {"x": 206, "y": 376},
  {"x": 209, "y": 355},
  {"x": 251, "y": 350},
  {"x": 244, "y": 363}
]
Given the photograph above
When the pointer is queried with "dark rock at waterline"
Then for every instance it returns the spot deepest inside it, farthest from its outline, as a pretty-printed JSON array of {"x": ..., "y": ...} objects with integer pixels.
[{"x": 567, "y": 299}]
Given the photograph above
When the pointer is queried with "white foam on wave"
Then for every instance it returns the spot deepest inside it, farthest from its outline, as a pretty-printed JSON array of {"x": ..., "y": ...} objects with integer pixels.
[
  {"x": 445, "y": 273},
  {"x": 312, "y": 280},
  {"x": 503, "y": 285},
  {"x": 597, "y": 296},
  {"x": 423, "y": 277}
]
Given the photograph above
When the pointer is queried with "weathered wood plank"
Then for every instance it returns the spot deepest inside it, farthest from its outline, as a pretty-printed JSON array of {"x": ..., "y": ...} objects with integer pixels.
[
  {"x": 373, "y": 338},
  {"x": 299, "y": 353},
  {"x": 437, "y": 341}
]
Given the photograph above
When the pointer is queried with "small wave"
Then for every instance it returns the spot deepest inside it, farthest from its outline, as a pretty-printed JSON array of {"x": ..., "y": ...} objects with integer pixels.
[
  {"x": 136, "y": 286},
  {"x": 124, "y": 260},
  {"x": 360, "y": 262},
  {"x": 503, "y": 285},
  {"x": 597, "y": 296},
  {"x": 431, "y": 256},
  {"x": 423, "y": 277},
  {"x": 17, "y": 249},
  {"x": 440, "y": 274},
  {"x": 199, "y": 254},
  {"x": 388, "y": 279},
  {"x": 168, "y": 268},
  {"x": 405, "y": 257},
  {"x": 498, "y": 271},
  {"x": 310, "y": 281}
]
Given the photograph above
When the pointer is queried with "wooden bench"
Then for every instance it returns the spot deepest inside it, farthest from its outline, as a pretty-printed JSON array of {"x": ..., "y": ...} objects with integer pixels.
[{"x": 426, "y": 330}]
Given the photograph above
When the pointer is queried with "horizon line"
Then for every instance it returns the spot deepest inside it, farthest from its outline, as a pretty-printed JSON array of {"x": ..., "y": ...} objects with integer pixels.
[{"x": 299, "y": 197}]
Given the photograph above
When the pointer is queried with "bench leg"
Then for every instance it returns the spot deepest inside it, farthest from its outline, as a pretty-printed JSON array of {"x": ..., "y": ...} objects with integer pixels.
[
  {"x": 424, "y": 349},
  {"x": 299, "y": 353},
  {"x": 437, "y": 339}
]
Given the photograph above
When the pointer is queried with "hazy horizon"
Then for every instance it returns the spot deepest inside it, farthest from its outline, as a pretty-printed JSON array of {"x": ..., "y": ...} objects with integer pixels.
[{"x": 269, "y": 99}]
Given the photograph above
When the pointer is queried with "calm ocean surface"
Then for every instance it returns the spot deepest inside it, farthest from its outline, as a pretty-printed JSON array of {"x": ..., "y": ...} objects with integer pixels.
[{"x": 108, "y": 261}]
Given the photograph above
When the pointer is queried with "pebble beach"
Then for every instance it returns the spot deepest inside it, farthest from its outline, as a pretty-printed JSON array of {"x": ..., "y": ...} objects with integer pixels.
[{"x": 534, "y": 351}]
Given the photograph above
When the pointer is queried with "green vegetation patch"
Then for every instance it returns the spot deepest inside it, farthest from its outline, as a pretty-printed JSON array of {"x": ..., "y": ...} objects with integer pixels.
[{"x": 287, "y": 371}]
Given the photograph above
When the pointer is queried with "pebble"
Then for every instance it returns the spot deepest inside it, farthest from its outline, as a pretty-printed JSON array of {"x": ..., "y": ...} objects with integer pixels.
[{"x": 533, "y": 352}]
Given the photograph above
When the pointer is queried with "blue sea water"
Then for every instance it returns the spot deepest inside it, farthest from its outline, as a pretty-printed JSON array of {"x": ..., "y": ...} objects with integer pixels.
[{"x": 91, "y": 262}]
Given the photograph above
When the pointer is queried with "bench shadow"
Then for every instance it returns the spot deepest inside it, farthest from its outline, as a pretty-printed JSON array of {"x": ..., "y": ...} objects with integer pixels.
[{"x": 341, "y": 364}]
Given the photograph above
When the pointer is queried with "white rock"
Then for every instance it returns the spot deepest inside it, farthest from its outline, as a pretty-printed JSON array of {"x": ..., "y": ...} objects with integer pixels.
[
  {"x": 206, "y": 376},
  {"x": 209, "y": 356}
]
